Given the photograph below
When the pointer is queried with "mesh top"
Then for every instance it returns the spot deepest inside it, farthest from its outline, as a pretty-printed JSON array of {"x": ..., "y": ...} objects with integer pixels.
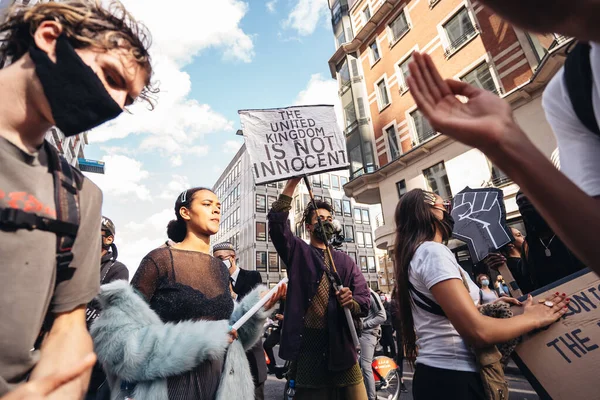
[
  {"x": 184, "y": 285},
  {"x": 187, "y": 285}
]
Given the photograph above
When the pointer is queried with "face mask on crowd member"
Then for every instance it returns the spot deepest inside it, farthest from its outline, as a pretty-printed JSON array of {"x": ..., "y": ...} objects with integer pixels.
[
  {"x": 441, "y": 210},
  {"x": 325, "y": 213}
]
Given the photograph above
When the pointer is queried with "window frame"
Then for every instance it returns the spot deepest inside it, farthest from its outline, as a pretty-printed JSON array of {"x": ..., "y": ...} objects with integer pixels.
[
  {"x": 256, "y": 261},
  {"x": 256, "y": 207},
  {"x": 386, "y": 135},
  {"x": 333, "y": 179},
  {"x": 449, "y": 48},
  {"x": 349, "y": 238},
  {"x": 391, "y": 39},
  {"x": 357, "y": 221},
  {"x": 344, "y": 203},
  {"x": 372, "y": 52},
  {"x": 366, "y": 266},
  {"x": 256, "y": 231},
  {"x": 378, "y": 91},
  {"x": 402, "y": 182},
  {"x": 360, "y": 242},
  {"x": 413, "y": 127},
  {"x": 436, "y": 191}
]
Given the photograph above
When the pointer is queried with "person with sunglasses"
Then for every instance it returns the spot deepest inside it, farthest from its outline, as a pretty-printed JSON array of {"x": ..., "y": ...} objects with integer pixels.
[{"x": 438, "y": 304}]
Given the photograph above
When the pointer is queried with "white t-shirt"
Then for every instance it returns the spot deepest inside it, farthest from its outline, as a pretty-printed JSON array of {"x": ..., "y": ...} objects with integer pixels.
[
  {"x": 440, "y": 345},
  {"x": 579, "y": 149}
]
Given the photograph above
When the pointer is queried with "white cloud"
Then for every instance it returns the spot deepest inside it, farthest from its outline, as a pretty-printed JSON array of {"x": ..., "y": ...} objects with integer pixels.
[
  {"x": 179, "y": 34},
  {"x": 271, "y": 6},
  {"x": 231, "y": 146},
  {"x": 306, "y": 15},
  {"x": 320, "y": 90},
  {"x": 124, "y": 178},
  {"x": 136, "y": 240},
  {"x": 176, "y": 185}
]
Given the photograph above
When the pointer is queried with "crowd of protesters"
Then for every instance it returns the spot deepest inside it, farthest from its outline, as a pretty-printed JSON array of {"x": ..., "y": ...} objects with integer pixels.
[{"x": 169, "y": 334}]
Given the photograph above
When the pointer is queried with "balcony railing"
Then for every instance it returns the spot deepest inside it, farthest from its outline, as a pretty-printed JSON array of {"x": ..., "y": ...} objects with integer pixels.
[
  {"x": 457, "y": 43},
  {"x": 364, "y": 170},
  {"x": 501, "y": 181}
]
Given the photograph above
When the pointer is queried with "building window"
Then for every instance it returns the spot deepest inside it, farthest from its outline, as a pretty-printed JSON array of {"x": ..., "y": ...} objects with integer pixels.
[
  {"x": 368, "y": 240},
  {"x": 343, "y": 180},
  {"x": 382, "y": 94},
  {"x": 401, "y": 188},
  {"x": 341, "y": 38},
  {"x": 350, "y": 115},
  {"x": 349, "y": 233},
  {"x": 404, "y": 73},
  {"x": 352, "y": 255},
  {"x": 316, "y": 180},
  {"x": 261, "y": 203},
  {"x": 261, "y": 231},
  {"x": 326, "y": 181},
  {"x": 357, "y": 216},
  {"x": 437, "y": 180},
  {"x": 374, "y": 48},
  {"x": 273, "y": 262},
  {"x": 459, "y": 30},
  {"x": 261, "y": 261},
  {"x": 337, "y": 206},
  {"x": 390, "y": 132},
  {"x": 399, "y": 27},
  {"x": 482, "y": 78},
  {"x": 347, "y": 208},
  {"x": 371, "y": 264},
  {"x": 271, "y": 200},
  {"x": 360, "y": 239},
  {"x": 335, "y": 182},
  {"x": 298, "y": 205},
  {"x": 366, "y": 14},
  {"x": 328, "y": 200},
  {"x": 423, "y": 129},
  {"x": 344, "y": 74},
  {"x": 365, "y": 217},
  {"x": 363, "y": 264}
]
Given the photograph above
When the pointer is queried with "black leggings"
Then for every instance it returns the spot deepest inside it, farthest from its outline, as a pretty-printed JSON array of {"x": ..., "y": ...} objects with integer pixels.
[{"x": 435, "y": 383}]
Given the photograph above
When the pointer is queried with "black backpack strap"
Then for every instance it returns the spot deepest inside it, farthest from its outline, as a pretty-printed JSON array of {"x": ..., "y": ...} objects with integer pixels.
[
  {"x": 67, "y": 183},
  {"x": 579, "y": 80},
  {"x": 425, "y": 303}
]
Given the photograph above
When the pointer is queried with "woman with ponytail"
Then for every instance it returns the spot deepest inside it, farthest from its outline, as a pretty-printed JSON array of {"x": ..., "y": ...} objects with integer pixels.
[
  {"x": 173, "y": 346},
  {"x": 439, "y": 304}
]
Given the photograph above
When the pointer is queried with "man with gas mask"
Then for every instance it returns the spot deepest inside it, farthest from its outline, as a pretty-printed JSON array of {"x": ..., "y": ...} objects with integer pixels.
[
  {"x": 315, "y": 335},
  {"x": 243, "y": 282},
  {"x": 110, "y": 270},
  {"x": 75, "y": 65}
]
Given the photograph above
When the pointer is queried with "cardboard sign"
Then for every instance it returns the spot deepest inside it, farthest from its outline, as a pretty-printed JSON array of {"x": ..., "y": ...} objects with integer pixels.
[
  {"x": 293, "y": 141},
  {"x": 563, "y": 360},
  {"x": 480, "y": 221}
]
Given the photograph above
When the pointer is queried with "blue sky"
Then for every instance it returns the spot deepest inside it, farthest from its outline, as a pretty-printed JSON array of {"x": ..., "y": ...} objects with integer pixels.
[{"x": 211, "y": 58}]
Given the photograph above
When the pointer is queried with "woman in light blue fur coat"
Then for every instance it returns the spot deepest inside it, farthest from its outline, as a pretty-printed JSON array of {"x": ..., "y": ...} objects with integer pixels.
[{"x": 169, "y": 336}]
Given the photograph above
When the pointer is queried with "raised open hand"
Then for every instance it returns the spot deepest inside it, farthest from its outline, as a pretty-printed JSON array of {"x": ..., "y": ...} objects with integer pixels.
[{"x": 483, "y": 120}]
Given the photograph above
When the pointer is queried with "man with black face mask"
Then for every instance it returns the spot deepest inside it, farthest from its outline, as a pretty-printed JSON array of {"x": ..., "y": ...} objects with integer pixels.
[
  {"x": 315, "y": 334},
  {"x": 75, "y": 65},
  {"x": 110, "y": 270}
]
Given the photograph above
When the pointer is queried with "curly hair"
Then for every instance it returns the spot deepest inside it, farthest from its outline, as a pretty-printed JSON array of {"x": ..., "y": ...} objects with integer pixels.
[
  {"x": 86, "y": 23},
  {"x": 309, "y": 211}
]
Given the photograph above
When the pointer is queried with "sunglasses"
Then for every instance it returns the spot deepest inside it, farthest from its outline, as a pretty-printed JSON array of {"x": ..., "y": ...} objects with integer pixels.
[{"x": 447, "y": 206}]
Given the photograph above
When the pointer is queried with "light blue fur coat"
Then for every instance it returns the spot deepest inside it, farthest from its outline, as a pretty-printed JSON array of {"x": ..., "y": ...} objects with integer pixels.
[{"x": 134, "y": 345}]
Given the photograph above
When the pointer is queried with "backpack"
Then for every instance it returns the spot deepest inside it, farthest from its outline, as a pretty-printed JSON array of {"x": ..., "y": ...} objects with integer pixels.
[
  {"x": 579, "y": 79},
  {"x": 67, "y": 184}
]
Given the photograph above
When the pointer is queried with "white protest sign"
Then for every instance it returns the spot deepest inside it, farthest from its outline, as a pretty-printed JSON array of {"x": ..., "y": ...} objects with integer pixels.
[{"x": 293, "y": 141}]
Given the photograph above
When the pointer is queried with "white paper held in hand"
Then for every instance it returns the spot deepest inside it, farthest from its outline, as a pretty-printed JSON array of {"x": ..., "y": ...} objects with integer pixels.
[{"x": 258, "y": 305}]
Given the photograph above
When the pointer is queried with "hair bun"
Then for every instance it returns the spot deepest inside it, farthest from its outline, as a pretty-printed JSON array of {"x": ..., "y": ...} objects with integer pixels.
[{"x": 176, "y": 230}]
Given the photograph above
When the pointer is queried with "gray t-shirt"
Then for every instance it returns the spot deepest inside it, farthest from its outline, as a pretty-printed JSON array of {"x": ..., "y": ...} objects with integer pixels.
[{"x": 28, "y": 272}]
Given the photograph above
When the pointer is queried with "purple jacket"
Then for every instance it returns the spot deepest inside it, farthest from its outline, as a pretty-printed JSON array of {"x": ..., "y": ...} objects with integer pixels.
[{"x": 305, "y": 267}]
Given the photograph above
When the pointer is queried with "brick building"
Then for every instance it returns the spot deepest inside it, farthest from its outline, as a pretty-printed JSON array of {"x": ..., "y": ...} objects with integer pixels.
[{"x": 392, "y": 147}]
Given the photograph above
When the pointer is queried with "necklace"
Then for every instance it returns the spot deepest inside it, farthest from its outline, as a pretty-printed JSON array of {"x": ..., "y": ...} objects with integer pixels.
[{"x": 547, "y": 251}]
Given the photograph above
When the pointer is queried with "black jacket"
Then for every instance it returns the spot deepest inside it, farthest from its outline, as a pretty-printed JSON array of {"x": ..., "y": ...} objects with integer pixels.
[
  {"x": 245, "y": 282},
  {"x": 110, "y": 270}
]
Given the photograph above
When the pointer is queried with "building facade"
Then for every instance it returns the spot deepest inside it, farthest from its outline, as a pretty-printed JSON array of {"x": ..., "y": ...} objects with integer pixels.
[
  {"x": 244, "y": 219},
  {"x": 467, "y": 42}
]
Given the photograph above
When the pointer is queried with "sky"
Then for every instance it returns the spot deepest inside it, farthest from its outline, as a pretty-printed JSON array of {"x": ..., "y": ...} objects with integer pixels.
[{"x": 211, "y": 59}]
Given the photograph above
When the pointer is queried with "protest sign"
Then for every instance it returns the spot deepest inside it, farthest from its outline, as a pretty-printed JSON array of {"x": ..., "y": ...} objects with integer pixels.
[
  {"x": 563, "y": 360},
  {"x": 293, "y": 141},
  {"x": 480, "y": 221}
]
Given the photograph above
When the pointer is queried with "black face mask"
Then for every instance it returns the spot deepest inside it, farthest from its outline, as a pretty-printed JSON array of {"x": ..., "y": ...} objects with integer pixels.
[
  {"x": 78, "y": 99},
  {"x": 325, "y": 234},
  {"x": 448, "y": 223}
]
